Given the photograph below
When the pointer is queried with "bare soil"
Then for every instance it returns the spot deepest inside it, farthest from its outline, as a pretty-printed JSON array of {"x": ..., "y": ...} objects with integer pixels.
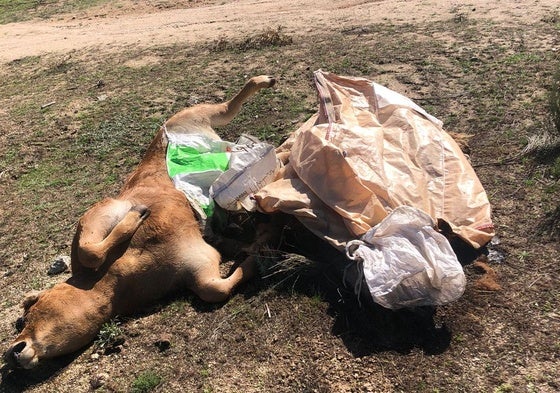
[
  {"x": 112, "y": 73},
  {"x": 108, "y": 28}
]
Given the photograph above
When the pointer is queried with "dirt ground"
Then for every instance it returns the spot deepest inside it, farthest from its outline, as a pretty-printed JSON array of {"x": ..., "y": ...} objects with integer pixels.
[
  {"x": 84, "y": 90},
  {"x": 149, "y": 23}
]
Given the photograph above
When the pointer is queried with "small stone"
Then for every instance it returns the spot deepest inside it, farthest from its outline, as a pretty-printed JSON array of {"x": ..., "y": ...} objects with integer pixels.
[
  {"x": 99, "y": 380},
  {"x": 61, "y": 264},
  {"x": 94, "y": 356},
  {"x": 163, "y": 343}
]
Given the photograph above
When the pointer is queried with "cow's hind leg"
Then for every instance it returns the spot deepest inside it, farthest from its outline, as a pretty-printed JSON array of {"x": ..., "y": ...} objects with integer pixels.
[
  {"x": 202, "y": 262},
  {"x": 217, "y": 289},
  {"x": 202, "y": 118}
]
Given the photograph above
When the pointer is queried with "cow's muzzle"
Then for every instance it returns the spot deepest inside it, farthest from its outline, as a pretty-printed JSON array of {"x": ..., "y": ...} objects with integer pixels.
[{"x": 20, "y": 355}]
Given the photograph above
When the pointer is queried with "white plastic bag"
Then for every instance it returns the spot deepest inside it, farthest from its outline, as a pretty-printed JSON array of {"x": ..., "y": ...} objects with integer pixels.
[
  {"x": 252, "y": 165},
  {"x": 407, "y": 263}
]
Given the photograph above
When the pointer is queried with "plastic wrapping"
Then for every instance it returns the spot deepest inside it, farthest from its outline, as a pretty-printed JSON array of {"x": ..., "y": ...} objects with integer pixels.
[
  {"x": 253, "y": 164},
  {"x": 406, "y": 263},
  {"x": 368, "y": 151}
]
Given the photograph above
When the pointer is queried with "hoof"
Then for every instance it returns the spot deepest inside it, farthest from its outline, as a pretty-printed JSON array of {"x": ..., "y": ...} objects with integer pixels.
[
  {"x": 263, "y": 81},
  {"x": 271, "y": 81}
]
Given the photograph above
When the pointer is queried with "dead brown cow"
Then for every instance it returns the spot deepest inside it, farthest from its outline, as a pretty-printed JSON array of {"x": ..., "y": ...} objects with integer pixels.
[{"x": 132, "y": 250}]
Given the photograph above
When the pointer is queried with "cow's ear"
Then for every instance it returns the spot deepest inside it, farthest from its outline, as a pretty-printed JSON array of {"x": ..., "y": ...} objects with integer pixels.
[{"x": 30, "y": 299}]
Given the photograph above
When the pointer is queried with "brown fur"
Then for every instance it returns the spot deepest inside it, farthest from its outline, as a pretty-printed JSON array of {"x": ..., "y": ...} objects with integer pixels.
[
  {"x": 489, "y": 279},
  {"x": 133, "y": 249}
]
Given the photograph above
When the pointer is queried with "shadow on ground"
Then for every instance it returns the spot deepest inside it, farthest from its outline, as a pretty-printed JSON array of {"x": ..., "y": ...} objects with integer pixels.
[
  {"x": 20, "y": 380},
  {"x": 364, "y": 326}
]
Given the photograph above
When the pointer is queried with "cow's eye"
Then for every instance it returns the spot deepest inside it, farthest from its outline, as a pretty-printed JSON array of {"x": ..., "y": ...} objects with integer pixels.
[{"x": 20, "y": 324}]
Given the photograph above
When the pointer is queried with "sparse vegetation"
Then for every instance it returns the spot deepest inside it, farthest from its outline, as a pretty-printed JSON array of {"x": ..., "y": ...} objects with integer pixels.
[
  {"x": 545, "y": 148},
  {"x": 298, "y": 328},
  {"x": 266, "y": 39},
  {"x": 110, "y": 335},
  {"x": 145, "y": 382},
  {"x": 546, "y": 144},
  {"x": 18, "y": 10},
  {"x": 554, "y": 101}
]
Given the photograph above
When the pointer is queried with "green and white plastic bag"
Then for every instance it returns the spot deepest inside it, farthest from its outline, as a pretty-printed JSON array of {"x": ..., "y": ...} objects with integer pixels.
[
  {"x": 209, "y": 170},
  {"x": 194, "y": 162}
]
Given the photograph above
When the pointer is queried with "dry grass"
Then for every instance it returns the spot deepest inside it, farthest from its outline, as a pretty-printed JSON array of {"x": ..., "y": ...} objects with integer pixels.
[{"x": 268, "y": 38}]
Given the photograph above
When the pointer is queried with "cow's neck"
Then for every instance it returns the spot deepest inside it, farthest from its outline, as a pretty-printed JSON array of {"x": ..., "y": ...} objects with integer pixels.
[
  {"x": 89, "y": 291},
  {"x": 105, "y": 290}
]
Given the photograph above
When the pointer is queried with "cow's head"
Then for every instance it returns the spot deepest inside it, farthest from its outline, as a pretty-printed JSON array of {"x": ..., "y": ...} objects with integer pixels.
[{"x": 55, "y": 322}]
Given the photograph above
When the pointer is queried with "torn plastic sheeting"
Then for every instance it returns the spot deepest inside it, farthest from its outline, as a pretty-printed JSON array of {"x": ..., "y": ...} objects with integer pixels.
[
  {"x": 368, "y": 151},
  {"x": 253, "y": 164}
]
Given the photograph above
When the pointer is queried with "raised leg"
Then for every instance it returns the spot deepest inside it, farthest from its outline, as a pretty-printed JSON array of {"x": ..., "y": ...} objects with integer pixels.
[{"x": 201, "y": 118}]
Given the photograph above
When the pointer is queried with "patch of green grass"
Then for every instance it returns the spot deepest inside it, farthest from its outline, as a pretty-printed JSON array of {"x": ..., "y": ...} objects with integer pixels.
[
  {"x": 21, "y": 10},
  {"x": 30, "y": 110},
  {"x": 522, "y": 57},
  {"x": 44, "y": 175},
  {"x": 523, "y": 255},
  {"x": 177, "y": 307},
  {"x": 122, "y": 133},
  {"x": 27, "y": 60},
  {"x": 316, "y": 300},
  {"x": 146, "y": 382},
  {"x": 10, "y": 155},
  {"x": 109, "y": 334},
  {"x": 555, "y": 168},
  {"x": 37, "y": 283},
  {"x": 459, "y": 338}
]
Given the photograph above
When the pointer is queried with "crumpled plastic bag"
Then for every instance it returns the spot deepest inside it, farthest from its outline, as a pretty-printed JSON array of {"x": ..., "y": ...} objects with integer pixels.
[
  {"x": 212, "y": 171},
  {"x": 252, "y": 165},
  {"x": 407, "y": 263}
]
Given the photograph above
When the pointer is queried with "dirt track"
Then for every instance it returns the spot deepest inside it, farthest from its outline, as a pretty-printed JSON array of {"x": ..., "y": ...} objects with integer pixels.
[{"x": 110, "y": 29}]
